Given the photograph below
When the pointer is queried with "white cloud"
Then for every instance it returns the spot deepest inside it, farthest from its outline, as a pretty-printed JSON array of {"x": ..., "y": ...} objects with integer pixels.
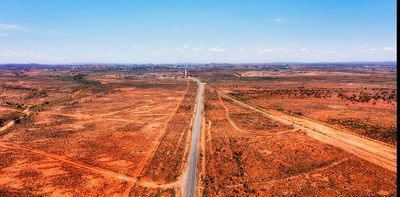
[
  {"x": 240, "y": 51},
  {"x": 304, "y": 50},
  {"x": 273, "y": 50},
  {"x": 13, "y": 27},
  {"x": 330, "y": 52},
  {"x": 389, "y": 49},
  {"x": 182, "y": 50},
  {"x": 112, "y": 54},
  {"x": 3, "y": 34},
  {"x": 294, "y": 54},
  {"x": 156, "y": 51},
  {"x": 13, "y": 56},
  {"x": 197, "y": 49},
  {"x": 366, "y": 50},
  {"x": 216, "y": 49}
]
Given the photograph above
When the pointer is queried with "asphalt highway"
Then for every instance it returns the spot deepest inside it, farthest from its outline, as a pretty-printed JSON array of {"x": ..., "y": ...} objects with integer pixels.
[{"x": 190, "y": 183}]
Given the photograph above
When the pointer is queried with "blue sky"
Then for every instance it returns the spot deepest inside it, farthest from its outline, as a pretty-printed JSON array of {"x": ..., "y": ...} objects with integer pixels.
[{"x": 171, "y": 31}]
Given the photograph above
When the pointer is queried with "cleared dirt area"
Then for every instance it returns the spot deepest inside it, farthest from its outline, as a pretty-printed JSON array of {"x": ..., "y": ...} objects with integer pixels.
[
  {"x": 83, "y": 136},
  {"x": 286, "y": 163}
]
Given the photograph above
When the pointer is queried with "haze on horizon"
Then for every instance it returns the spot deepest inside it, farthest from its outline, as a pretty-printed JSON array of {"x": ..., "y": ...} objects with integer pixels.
[{"x": 232, "y": 31}]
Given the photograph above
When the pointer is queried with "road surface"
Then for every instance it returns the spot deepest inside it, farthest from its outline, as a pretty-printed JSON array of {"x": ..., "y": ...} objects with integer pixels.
[
  {"x": 370, "y": 150},
  {"x": 190, "y": 181}
]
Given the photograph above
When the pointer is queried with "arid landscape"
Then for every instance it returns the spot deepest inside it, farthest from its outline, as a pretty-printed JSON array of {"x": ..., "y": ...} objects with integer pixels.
[
  {"x": 302, "y": 131},
  {"x": 110, "y": 131},
  {"x": 92, "y": 133},
  {"x": 202, "y": 98}
]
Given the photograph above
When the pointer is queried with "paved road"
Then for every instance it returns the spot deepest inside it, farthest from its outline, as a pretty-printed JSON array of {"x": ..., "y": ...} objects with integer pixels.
[
  {"x": 190, "y": 182},
  {"x": 370, "y": 150}
]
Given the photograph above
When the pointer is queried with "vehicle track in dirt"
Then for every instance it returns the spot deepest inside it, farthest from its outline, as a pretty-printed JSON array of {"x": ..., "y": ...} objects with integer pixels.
[
  {"x": 132, "y": 181},
  {"x": 101, "y": 171},
  {"x": 104, "y": 172},
  {"x": 369, "y": 150},
  {"x": 12, "y": 122},
  {"x": 272, "y": 182},
  {"x": 162, "y": 133},
  {"x": 248, "y": 132}
]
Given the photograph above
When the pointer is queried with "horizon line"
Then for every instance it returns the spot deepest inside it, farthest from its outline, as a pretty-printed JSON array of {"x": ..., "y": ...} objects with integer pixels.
[{"x": 194, "y": 63}]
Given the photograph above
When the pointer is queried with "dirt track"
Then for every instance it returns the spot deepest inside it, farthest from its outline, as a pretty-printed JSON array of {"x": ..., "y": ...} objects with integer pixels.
[
  {"x": 12, "y": 122},
  {"x": 333, "y": 164},
  {"x": 372, "y": 151},
  {"x": 162, "y": 133},
  {"x": 132, "y": 180},
  {"x": 104, "y": 172},
  {"x": 248, "y": 132}
]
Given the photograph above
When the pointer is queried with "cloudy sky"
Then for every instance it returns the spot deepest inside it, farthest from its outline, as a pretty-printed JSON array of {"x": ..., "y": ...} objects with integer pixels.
[{"x": 161, "y": 31}]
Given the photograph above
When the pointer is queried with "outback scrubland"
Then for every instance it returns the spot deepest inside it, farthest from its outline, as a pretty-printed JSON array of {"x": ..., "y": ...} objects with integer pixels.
[
  {"x": 107, "y": 130},
  {"x": 92, "y": 132},
  {"x": 363, "y": 102},
  {"x": 248, "y": 153}
]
